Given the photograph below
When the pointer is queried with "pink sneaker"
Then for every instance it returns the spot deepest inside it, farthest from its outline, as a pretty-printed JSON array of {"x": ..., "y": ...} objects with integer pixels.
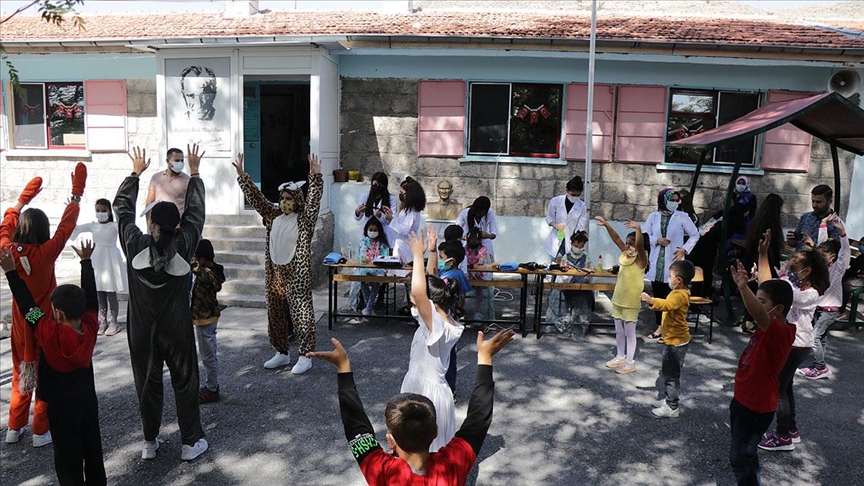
[
  {"x": 773, "y": 442},
  {"x": 816, "y": 374},
  {"x": 795, "y": 436}
]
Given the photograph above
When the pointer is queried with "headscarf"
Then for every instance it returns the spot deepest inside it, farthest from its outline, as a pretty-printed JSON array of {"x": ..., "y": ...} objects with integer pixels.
[
  {"x": 663, "y": 198},
  {"x": 746, "y": 183}
]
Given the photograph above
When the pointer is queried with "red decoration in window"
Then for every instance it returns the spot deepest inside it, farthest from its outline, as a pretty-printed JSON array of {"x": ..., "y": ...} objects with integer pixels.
[
  {"x": 31, "y": 110},
  {"x": 533, "y": 114},
  {"x": 69, "y": 111}
]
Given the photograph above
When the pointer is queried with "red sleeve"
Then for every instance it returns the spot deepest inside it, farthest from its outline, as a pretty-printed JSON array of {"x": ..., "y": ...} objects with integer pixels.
[
  {"x": 10, "y": 223},
  {"x": 75, "y": 349},
  {"x": 377, "y": 470},
  {"x": 54, "y": 246}
]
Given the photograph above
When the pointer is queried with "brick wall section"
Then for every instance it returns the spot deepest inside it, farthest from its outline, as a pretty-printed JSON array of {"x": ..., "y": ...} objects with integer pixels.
[{"x": 379, "y": 133}]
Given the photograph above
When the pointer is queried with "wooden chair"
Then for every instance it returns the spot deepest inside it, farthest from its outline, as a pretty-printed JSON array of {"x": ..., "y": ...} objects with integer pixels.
[{"x": 697, "y": 305}]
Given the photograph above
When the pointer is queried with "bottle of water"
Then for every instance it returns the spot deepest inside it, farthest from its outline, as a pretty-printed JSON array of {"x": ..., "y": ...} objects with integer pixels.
[
  {"x": 599, "y": 263},
  {"x": 350, "y": 250}
]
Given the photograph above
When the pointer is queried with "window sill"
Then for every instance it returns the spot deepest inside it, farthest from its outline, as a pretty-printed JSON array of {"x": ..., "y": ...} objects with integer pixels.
[
  {"x": 510, "y": 160},
  {"x": 710, "y": 169},
  {"x": 42, "y": 153}
]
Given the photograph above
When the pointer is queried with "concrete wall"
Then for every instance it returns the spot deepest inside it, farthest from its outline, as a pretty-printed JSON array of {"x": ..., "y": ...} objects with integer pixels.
[{"x": 379, "y": 133}]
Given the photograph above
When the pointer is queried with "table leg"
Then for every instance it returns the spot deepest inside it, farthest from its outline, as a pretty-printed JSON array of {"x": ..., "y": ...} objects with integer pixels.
[
  {"x": 538, "y": 305},
  {"x": 523, "y": 305},
  {"x": 330, "y": 300}
]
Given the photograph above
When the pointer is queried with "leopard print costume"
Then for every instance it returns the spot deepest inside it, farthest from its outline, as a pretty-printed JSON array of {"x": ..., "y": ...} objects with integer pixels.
[{"x": 289, "y": 287}]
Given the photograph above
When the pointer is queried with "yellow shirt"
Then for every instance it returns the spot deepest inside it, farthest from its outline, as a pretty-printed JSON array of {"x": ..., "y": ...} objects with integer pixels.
[{"x": 674, "y": 328}]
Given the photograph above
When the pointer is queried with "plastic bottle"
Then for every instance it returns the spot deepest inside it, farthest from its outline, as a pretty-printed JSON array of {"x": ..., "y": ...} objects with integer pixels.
[
  {"x": 599, "y": 263},
  {"x": 350, "y": 250}
]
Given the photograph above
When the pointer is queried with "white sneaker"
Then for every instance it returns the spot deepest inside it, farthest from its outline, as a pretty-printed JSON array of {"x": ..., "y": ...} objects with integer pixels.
[
  {"x": 149, "y": 450},
  {"x": 303, "y": 365},
  {"x": 191, "y": 452},
  {"x": 665, "y": 411},
  {"x": 277, "y": 360},
  {"x": 616, "y": 362},
  {"x": 627, "y": 367},
  {"x": 13, "y": 436},
  {"x": 41, "y": 440},
  {"x": 703, "y": 319}
]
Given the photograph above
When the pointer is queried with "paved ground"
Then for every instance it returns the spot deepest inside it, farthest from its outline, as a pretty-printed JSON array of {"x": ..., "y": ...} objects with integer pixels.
[{"x": 560, "y": 417}]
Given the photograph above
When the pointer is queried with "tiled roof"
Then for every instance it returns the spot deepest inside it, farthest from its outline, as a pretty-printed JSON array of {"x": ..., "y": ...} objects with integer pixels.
[{"x": 517, "y": 25}]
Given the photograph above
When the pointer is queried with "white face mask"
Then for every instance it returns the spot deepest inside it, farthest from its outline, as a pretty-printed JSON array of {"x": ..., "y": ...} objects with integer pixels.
[
  {"x": 671, "y": 285},
  {"x": 572, "y": 199},
  {"x": 415, "y": 313},
  {"x": 577, "y": 251},
  {"x": 672, "y": 205},
  {"x": 372, "y": 234},
  {"x": 177, "y": 167},
  {"x": 101, "y": 217},
  {"x": 740, "y": 188}
]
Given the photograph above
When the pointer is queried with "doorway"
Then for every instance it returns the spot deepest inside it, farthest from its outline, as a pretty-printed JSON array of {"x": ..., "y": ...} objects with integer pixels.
[{"x": 276, "y": 134}]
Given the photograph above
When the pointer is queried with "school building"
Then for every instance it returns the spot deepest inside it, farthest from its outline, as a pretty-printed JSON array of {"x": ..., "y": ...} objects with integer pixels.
[{"x": 493, "y": 101}]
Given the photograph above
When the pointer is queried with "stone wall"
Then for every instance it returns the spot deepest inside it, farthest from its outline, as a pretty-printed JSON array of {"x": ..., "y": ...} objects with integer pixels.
[{"x": 379, "y": 133}]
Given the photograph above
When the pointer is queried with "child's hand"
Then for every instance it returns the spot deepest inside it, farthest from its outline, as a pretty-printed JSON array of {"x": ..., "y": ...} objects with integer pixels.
[
  {"x": 431, "y": 238},
  {"x": 238, "y": 164},
  {"x": 646, "y": 298},
  {"x": 7, "y": 261},
  {"x": 634, "y": 225},
  {"x": 338, "y": 356},
  {"x": 808, "y": 241},
  {"x": 739, "y": 275},
  {"x": 601, "y": 221},
  {"x": 841, "y": 228},
  {"x": 487, "y": 349},
  {"x": 85, "y": 251},
  {"x": 765, "y": 242},
  {"x": 415, "y": 242}
]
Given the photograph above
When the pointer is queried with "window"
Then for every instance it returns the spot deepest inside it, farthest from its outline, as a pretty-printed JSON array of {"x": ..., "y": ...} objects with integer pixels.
[
  {"x": 695, "y": 111},
  {"x": 519, "y": 120},
  {"x": 48, "y": 116}
]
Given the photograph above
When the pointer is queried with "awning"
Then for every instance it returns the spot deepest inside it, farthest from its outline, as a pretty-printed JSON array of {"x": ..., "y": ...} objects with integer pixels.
[{"x": 828, "y": 116}]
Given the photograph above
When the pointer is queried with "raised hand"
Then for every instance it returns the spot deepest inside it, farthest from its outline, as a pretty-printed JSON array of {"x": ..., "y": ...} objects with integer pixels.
[
  {"x": 79, "y": 179},
  {"x": 338, "y": 356},
  {"x": 431, "y": 238},
  {"x": 487, "y": 349},
  {"x": 314, "y": 164},
  {"x": 634, "y": 225},
  {"x": 238, "y": 164},
  {"x": 415, "y": 242},
  {"x": 7, "y": 261},
  {"x": 193, "y": 157},
  {"x": 86, "y": 250},
  {"x": 837, "y": 223},
  {"x": 33, "y": 188},
  {"x": 601, "y": 221},
  {"x": 765, "y": 242},
  {"x": 739, "y": 274},
  {"x": 140, "y": 162}
]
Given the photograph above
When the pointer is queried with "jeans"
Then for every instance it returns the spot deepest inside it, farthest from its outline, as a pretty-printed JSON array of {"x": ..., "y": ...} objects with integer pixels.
[
  {"x": 370, "y": 294},
  {"x": 670, "y": 372},
  {"x": 206, "y": 337},
  {"x": 822, "y": 320},
  {"x": 747, "y": 429},
  {"x": 786, "y": 406}
]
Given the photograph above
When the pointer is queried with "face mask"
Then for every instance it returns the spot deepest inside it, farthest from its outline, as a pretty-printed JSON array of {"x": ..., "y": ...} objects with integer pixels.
[
  {"x": 672, "y": 205},
  {"x": 101, "y": 217},
  {"x": 443, "y": 265},
  {"x": 740, "y": 188},
  {"x": 572, "y": 199},
  {"x": 793, "y": 278},
  {"x": 287, "y": 207},
  {"x": 577, "y": 251},
  {"x": 671, "y": 285},
  {"x": 177, "y": 167},
  {"x": 415, "y": 313},
  {"x": 372, "y": 234}
]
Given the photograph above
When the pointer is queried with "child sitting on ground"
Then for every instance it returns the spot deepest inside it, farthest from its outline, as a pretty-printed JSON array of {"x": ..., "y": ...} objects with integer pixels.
[
  {"x": 625, "y": 298},
  {"x": 482, "y": 297},
  {"x": 66, "y": 339},
  {"x": 675, "y": 332},
  {"x": 570, "y": 310},
  {"x": 209, "y": 277},
  {"x": 756, "y": 384},
  {"x": 411, "y": 424}
]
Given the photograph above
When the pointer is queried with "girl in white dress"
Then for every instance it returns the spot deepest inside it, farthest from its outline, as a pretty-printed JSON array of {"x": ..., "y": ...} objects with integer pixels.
[
  {"x": 436, "y": 304},
  {"x": 108, "y": 265}
]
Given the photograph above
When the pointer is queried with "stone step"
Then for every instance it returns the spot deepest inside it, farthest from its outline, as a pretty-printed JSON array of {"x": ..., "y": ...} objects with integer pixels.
[
  {"x": 242, "y": 231},
  {"x": 232, "y": 219},
  {"x": 231, "y": 244},
  {"x": 242, "y": 271},
  {"x": 241, "y": 256},
  {"x": 242, "y": 300},
  {"x": 244, "y": 286}
]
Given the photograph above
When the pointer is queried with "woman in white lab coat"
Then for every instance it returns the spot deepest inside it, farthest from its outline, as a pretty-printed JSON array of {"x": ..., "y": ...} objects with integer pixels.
[
  {"x": 377, "y": 203},
  {"x": 412, "y": 200},
  {"x": 480, "y": 215},
  {"x": 566, "y": 214},
  {"x": 666, "y": 230}
]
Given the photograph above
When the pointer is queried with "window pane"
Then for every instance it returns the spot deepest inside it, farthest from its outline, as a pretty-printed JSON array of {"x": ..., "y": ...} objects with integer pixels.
[
  {"x": 30, "y": 117},
  {"x": 733, "y": 106},
  {"x": 680, "y": 127},
  {"x": 535, "y": 126},
  {"x": 66, "y": 114},
  {"x": 693, "y": 103},
  {"x": 490, "y": 104}
]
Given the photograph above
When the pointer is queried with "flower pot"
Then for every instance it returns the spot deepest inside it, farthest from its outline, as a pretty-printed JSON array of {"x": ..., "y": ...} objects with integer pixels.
[
  {"x": 340, "y": 175},
  {"x": 352, "y": 175}
]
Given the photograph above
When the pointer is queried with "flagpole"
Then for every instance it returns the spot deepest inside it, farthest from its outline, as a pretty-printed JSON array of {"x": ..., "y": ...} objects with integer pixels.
[{"x": 589, "y": 131}]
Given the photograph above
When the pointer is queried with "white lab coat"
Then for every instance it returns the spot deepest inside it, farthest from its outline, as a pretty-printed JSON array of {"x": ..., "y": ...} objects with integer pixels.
[
  {"x": 394, "y": 206},
  {"x": 487, "y": 224},
  {"x": 404, "y": 223},
  {"x": 575, "y": 220},
  {"x": 679, "y": 225}
]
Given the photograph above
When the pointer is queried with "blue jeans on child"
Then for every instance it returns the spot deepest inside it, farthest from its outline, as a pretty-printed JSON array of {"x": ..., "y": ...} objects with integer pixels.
[
  {"x": 822, "y": 320},
  {"x": 206, "y": 336},
  {"x": 670, "y": 372},
  {"x": 747, "y": 429}
]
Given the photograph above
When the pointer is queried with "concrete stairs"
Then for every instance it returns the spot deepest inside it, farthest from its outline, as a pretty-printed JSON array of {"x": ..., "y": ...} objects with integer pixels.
[{"x": 238, "y": 241}]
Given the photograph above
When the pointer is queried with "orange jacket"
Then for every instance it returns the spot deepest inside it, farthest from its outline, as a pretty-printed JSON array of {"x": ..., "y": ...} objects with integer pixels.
[{"x": 40, "y": 278}]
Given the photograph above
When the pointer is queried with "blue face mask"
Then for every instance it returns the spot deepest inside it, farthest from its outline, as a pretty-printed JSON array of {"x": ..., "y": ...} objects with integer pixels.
[
  {"x": 793, "y": 278},
  {"x": 443, "y": 265}
]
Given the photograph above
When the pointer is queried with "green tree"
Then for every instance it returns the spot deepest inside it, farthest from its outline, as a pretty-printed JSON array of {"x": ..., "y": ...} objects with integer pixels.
[{"x": 53, "y": 12}]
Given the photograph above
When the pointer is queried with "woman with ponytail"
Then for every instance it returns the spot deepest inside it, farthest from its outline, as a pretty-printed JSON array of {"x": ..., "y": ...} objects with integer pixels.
[
  {"x": 159, "y": 318},
  {"x": 480, "y": 215},
  {"x": 436, "y": 304}
]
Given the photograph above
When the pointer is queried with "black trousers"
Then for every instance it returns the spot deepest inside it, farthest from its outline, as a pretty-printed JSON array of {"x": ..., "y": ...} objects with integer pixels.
[
  {"x": 77, "y": 441},
  {"x": 747, "y": 429},
  {"x": 659, "y": 290}
]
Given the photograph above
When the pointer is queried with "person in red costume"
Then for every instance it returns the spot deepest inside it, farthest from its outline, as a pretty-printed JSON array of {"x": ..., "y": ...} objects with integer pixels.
[{"x": 27, "y": 236}]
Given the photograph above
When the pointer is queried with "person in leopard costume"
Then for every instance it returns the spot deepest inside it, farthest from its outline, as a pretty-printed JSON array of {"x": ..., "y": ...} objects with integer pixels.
[{"x": 288, "y": 261}]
